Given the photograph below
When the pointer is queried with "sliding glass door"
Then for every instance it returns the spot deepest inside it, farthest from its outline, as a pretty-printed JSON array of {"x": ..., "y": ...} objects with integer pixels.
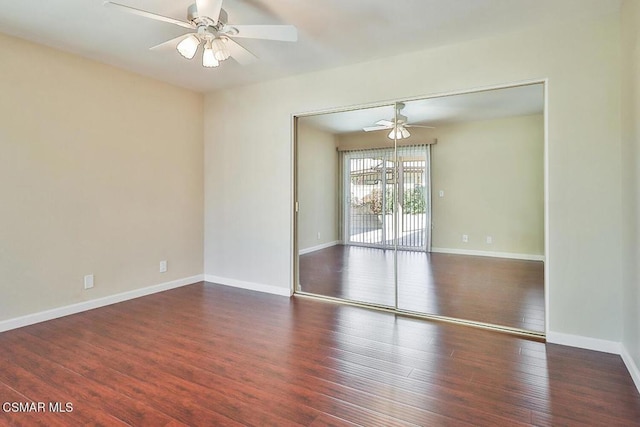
[{"x": 385, "y": 188}]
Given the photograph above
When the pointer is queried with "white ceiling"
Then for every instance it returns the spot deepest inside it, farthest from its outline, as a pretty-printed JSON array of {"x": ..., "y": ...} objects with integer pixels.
[
  {"x": 331, "y": 32},
  {"x": 481, "y": 105}
]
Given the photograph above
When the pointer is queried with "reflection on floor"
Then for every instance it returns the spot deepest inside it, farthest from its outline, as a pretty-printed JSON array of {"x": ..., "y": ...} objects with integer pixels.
[{"x": 500, "y": 291}]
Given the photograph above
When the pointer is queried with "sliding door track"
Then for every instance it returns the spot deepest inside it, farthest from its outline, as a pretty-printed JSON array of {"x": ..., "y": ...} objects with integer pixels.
[{"x": 521, "y": 333}]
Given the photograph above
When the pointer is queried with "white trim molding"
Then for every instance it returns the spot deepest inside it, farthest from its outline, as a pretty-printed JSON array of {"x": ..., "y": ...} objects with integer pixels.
[
  {"x": 318, "y": 247},
  {"x": 251, "y": 286},
  {"x": 587, "y": 343},
  {"x": 596, "y": 344},
  {"x": 509, "y": 255},
  {"x": 631, "y": 366},
  {"x": 67, "y": 310}
]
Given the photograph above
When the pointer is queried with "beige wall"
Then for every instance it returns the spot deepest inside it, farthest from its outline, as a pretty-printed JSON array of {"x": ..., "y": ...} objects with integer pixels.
[
  {"x": 631, "y": 177},
  {"x": 492, "y": 175},
  {"x": 317, "y": 187},
  {"x": 581, "y": 61},
  {"x": 100, "y": 172}
]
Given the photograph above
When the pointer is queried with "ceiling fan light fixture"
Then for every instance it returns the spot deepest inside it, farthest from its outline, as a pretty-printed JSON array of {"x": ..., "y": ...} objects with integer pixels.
[
  {"x": 188, "y": 46},
  {"x": 208, "y": 24},
  {"x": 208, "y": 57},
  {"x": 220, "y": 50},
  {"x": 399, "y": 132}
]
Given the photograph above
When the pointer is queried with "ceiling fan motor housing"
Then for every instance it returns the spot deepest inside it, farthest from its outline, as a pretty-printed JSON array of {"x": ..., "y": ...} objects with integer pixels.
[{"x": 213, "y": 21}]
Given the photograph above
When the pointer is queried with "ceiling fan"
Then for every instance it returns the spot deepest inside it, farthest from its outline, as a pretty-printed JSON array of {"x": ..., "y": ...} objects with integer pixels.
[
  {"x": 210, "y": 28},
  {"x": 398, "y": 125}
]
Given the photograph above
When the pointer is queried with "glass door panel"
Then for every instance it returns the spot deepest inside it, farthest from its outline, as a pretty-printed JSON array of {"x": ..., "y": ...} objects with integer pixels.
[
  {"x": 370, "y": 203},
  {"x": 414, "y": 200}
]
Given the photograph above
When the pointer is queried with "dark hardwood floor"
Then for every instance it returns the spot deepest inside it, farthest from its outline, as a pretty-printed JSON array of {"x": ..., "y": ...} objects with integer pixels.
[
  {"x": 217, "y": 356},
  {"x": 499, "y": 291}
]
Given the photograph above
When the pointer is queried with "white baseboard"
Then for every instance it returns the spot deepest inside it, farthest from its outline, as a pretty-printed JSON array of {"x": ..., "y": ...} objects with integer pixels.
[
  {"x": 259, "y": 287},
  {"x": 631, "y": 366},
  {"x": 510, "y": 255},
  {"x": 318, "y": 247},
  {"x": 67, "y": 310},
  {"x": 605, "y": 346},
  {"x": 584, "y": 342}
]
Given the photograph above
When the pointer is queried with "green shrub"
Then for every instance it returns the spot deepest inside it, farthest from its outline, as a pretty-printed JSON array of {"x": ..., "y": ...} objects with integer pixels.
[{"x": 414, "y": 201}]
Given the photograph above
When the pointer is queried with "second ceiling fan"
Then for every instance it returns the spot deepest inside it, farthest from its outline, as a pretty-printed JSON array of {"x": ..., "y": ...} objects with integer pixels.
[
  {"x": 211, "y": 30},
  {"x": 398, "y": 125}
]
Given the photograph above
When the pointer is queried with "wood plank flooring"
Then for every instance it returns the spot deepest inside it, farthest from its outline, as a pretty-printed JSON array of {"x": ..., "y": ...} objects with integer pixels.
[
  {"x": 212, "y": 355},
  {"x": 499, "y": 291}
]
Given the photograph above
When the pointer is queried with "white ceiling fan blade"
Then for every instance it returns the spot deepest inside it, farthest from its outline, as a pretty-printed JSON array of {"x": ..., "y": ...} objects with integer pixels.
[
  {"x": 209, "y": 8},
  {"x": 240, "y": 54},
  {"x": 386, "y": 123},
  {"x": 285, "y": 33},
  {"x": 419, "y": 126},
  {"x": 170, "y": 44},
  {"x": 372, "y": 128},
  {"x": 146, "y": 14}
]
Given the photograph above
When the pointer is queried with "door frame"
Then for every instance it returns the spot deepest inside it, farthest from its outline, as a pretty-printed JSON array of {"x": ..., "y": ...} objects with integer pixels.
[{"x": 295, "y": 277}]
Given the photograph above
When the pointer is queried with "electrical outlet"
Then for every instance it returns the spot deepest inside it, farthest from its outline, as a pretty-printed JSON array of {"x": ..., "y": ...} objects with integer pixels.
[
  {"x": 163, "y": 266},
  {"x": 318, "y": 235},
  {"x": 441, "y": 193},
  {"x": 88, "y": 281},
  {"x": 465, "y": 238},
  {"x": 489, "y": 240}
]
